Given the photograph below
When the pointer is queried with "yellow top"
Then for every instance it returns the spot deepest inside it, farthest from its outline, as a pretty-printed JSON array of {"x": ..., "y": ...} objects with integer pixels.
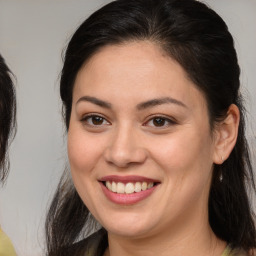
[
  {"x": 6, "y": 247},
  {"x": 226, "y": 252},
  {"x": 236, "y": 252}
]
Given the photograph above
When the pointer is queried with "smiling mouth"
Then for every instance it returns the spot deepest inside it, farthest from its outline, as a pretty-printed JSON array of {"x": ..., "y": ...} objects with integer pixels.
[
  {"x": 128, "y": 187},
  {"x": 127, "y": 190}
]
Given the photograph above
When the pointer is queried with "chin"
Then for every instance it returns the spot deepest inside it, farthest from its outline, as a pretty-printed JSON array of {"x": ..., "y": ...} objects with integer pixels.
[
  {"x": 125, "y": 232},
  {"x": 128, "y": 226}
]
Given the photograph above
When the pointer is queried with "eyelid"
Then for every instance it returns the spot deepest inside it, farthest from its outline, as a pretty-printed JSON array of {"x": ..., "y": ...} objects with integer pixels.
[{"x": 92, "y": 114}]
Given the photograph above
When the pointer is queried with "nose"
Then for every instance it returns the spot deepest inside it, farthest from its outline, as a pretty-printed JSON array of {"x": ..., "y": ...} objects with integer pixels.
[{"x": 125, "y": 148}]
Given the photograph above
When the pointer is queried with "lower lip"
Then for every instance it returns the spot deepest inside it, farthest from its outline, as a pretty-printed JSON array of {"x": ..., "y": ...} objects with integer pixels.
[{"x": 127, "y": 199}]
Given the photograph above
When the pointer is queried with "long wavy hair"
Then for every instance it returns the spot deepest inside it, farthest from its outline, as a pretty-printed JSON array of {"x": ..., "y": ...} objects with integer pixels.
[
  {"x": 198, "y": 39},
  {"x": 7, "y": 116}
]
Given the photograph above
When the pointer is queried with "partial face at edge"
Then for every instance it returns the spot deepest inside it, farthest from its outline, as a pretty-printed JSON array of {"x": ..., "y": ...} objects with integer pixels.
[{"x": 137, "y": 118}]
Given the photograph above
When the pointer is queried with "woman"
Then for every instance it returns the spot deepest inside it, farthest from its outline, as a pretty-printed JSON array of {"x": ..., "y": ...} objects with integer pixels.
[
  {"x": 7, "y": 126},
  {"x": 156, "y": 143}
]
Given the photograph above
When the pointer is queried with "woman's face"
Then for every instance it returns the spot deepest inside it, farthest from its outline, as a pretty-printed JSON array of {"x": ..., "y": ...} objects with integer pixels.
[{"x": 137, "y": 121}]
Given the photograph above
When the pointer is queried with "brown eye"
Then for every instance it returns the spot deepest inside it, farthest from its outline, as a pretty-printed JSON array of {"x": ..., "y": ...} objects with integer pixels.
[
  {"x": 94, "y": 120},
  {"x": 159, "y": 121},
  {"x": 97, "y": 120}
]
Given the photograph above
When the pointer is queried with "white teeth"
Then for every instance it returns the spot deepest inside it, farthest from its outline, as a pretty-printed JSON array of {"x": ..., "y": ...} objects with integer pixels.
[
  {"x": 114, "y": 188},
  {"x": 120, "y": 188},
  {"x": 150, "y": 185},
  {"x": 137, "y": 187},
  {"x": 109, "y": 185},
  {"x": 144, "y": 185},
  {"x": 129, "y": 187}
]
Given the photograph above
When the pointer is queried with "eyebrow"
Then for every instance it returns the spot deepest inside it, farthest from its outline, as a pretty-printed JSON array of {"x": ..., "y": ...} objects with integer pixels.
[
  {"x": 160, "y": 101},
  {"x": 140, "y": 106},
  {"x": 95, "y": 101}
]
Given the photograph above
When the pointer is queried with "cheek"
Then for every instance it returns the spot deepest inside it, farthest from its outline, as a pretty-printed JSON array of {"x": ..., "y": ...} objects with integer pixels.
[
  {"x": 183, "y": 150},
  {"x": 83, "y": 150},
  {"x": 83, "y": 153},
  {"x": 186, "y": 159}
]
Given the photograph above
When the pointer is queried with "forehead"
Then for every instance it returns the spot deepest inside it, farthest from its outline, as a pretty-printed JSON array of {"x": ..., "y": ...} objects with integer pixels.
[
  {"x": 135, "y": 67},
  {"x": 128, "y": 56}
]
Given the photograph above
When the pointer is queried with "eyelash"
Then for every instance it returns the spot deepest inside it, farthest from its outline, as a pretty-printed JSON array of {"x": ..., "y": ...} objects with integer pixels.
[{"x": 167, "y": 122}]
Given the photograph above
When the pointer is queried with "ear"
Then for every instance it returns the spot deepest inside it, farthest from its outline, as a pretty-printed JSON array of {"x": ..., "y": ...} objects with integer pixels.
[{"x": 226, "y": 132}]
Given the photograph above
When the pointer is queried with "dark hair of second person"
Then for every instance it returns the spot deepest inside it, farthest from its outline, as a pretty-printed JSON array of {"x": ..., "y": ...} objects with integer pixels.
[
  {"x": 7, "y": 129},
  {"x": 7, "y": 116}
]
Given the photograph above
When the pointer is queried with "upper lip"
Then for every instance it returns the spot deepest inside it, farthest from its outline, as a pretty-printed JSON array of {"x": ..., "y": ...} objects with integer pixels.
[{"x": 126, "y": 179}]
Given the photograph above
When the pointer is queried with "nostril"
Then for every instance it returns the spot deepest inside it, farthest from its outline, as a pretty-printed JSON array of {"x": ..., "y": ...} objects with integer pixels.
[{"x": 123, "y": 157}]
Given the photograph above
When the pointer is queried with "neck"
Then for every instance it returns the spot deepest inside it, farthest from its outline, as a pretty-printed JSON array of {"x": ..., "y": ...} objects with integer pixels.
[{"x": 194, "y": 238}]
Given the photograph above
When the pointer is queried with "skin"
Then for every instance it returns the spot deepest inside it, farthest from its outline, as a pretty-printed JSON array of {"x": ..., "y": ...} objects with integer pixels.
[{"x": 179, "y": 153}]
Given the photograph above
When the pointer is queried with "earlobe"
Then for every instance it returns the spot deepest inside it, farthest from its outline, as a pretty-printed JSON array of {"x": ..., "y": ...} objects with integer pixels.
[{"x": 226, "y": 132}]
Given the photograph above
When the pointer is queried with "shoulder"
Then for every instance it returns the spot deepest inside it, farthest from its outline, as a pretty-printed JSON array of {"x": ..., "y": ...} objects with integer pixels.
[{"x": 6, "y": 247}]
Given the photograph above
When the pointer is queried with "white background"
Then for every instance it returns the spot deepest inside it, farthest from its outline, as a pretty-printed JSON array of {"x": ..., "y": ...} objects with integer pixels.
[{"x": 32, "y": 36}]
